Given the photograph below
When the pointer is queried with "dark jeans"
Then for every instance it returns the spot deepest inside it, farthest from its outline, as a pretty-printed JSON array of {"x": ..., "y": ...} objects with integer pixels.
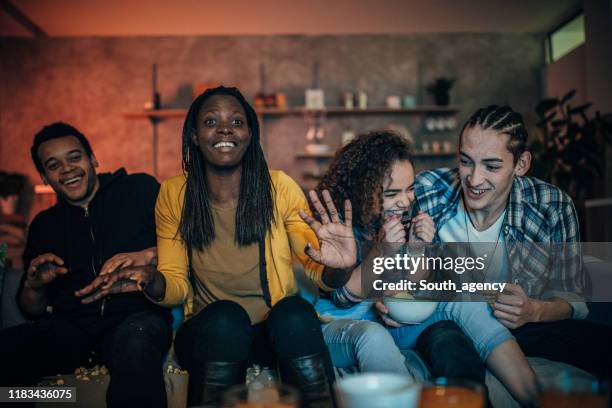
[
  {"x": 223, "y": 332},
  {"x": 450, "y": 353},
  {"x": 580, "y": 343},
  {"x": 583, "y": 344},
  {"x": 132, "y": 346}
]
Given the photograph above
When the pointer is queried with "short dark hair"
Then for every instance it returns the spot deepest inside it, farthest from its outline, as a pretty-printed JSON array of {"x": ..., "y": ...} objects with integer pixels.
[
  {"x": 55, "y": 131},
  {"x": 502, "y": 119}
]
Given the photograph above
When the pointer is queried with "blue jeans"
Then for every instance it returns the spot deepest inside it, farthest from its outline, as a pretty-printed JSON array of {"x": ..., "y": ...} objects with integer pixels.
[
  {"x": 349, "y": 343},
  {"x": 474, "y": 318},
  {"x": 365, "y": 344}
]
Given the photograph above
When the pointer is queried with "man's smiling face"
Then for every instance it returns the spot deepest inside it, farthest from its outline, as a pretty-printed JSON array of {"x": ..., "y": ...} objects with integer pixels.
[
  {"x": 68, "y": 169},
  {"x": 486, "y": 168}
]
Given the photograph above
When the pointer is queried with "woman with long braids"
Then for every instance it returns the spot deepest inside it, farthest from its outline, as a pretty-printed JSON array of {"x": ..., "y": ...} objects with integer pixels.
[
  {"x": 375, "y": 172},
  {"x": 226, "y": 232},
  {"x": 230, "y": 225}
]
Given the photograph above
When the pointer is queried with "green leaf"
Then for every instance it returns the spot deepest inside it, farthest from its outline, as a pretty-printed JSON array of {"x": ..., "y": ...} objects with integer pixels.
[
  {"x": 567, "y": 96},
  {"x": 580, "y": 108},
  {"x": 546, "y": 105}
]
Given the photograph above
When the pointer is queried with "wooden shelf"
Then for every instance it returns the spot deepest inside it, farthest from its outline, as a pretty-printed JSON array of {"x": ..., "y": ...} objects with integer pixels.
[
  {"x": 330, "y": 155},
  {"x": 304, "y": 155},
  {"x": 433, "y": 154},
  {"x": 157, "y": 114},
  {"x": 336, "y": 110},
  {"x": 421, "y": 110}
]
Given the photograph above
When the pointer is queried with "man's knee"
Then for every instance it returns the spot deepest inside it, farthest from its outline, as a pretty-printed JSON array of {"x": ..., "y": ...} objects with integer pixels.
[
  {"x": 370, "y": 334},
  {"x": 294, "y": 328},
  {"x": 143, "y": 332},
  {"x": 440, "y": 334},
  {"x": 293, "y": 314}
]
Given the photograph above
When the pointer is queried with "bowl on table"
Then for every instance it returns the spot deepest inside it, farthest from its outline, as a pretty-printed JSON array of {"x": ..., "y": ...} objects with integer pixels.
[
  {"x": 377, "y": 390},
  {"x": 405, "y": 309}
]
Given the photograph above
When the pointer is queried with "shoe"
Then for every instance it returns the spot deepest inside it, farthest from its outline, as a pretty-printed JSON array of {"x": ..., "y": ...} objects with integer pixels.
[
  {"x": 218, "y": 377},
  {"x": 313, "y": 376}
]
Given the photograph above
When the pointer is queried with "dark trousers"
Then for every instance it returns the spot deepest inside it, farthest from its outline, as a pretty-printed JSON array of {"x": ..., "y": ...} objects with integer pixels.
[
  {"x": 132, "y": 346},
  {"x": 223, "y": 332},
  {"x": 580, "y": 343},
  {"x": 450, "y": 353},
  {"x": 583, "y": 344}
]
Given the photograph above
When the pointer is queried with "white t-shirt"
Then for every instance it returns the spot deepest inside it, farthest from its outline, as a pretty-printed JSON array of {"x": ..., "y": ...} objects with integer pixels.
[{"x": 490, "y": 242}]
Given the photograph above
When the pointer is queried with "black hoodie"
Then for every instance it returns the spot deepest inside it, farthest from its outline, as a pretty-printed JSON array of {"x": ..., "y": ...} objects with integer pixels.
[{"x": 119, "y": 218}]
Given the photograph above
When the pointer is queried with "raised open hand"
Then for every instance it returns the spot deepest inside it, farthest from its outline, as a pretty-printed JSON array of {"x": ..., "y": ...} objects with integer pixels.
[{"x": 336, "y": 238}]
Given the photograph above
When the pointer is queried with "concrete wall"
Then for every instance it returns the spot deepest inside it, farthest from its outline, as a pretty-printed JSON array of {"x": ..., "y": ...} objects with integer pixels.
[
  {"x": 91, "y": 82},
  {"x": 568, "y": 73}
]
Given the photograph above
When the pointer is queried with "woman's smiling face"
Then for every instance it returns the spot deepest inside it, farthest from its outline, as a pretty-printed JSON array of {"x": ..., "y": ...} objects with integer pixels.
[
  {"x": 398, "y": 189},
  {"x": 222, "y": 132}
]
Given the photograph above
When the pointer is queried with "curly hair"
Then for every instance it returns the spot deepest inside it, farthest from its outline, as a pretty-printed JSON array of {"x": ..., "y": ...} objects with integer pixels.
[{"x": 357, "y": 172}]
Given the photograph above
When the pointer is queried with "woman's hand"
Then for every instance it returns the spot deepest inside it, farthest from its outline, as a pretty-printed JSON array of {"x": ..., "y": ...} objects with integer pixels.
[
  {"x": 139, "y": 258},
  {"x": 131, "y": 279},
  {"x": 383, "y": 313},
  {"x": 422, "y": 228},
  {"x": 338, "y": 247},
  {"x": 393, "y": 231}
]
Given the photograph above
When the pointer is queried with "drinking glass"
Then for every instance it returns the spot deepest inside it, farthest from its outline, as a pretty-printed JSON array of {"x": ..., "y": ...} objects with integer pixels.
[
  {"x": 269, "y": 396},
  {"x": 452, "y": 393}
]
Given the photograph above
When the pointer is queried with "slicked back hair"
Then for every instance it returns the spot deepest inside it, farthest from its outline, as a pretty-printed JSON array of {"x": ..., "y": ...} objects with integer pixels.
[
  {"x": 255, "y": 212},
  {"x": 504, "y": 120}
]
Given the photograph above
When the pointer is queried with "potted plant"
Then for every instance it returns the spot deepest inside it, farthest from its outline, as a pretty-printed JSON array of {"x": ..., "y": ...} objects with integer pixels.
[
  {"x": 440, "y": 89},
  {"x": 11, "y": 185},
  {"x": 569, "y": 146}
]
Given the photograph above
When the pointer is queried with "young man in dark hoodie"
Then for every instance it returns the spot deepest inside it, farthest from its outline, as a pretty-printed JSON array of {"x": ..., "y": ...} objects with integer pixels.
[{"x": 97, "y": 217}]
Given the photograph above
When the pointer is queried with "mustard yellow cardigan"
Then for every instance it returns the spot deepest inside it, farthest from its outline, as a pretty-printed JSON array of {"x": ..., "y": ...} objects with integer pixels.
[{"x": 289, "y": 234}]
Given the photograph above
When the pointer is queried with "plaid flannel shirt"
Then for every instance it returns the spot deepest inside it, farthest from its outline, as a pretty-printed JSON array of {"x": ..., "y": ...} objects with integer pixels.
[{"x": 539, "y": 216}]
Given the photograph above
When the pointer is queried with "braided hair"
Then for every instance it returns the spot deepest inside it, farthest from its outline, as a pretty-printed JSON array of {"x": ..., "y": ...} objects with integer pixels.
[
  {"x": 255, "y": 212},
  {"x": 357, "y": 173},
  {"x": 502, "y": 119}
]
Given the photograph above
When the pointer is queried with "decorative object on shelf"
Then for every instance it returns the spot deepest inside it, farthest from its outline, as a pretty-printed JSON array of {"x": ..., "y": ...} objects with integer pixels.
[
  {"x": 393, "y": 102},
  {"x": 409, "y": 101},
  {"x": 315, "y": 97},
  {"x": 347, "y": 100},
  {"x": 440, "y": 123},
  {"x": 362, "y": 100},
  {"x": 317, "y": 148},
  {"x": 281, "y": 100},
  {"x": 569, "y": 146},
  {"x": 270, "y": 101},
  {"x": 436, "y": 147},
  {"x": 440, "y": 89},
  {"x": 425, "y": 146},
  {"x": 447, "y": 146}
]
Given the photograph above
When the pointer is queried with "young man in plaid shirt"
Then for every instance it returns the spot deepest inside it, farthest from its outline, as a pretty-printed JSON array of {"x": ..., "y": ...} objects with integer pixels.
[{"x": 488, "y": 199}]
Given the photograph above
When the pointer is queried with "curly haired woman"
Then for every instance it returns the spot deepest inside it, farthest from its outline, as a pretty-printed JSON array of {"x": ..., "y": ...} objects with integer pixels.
[{"x": 375, "y": 172}]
